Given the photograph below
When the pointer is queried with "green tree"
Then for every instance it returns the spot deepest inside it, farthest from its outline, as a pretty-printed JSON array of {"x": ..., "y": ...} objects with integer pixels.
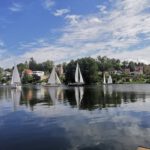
[
  {"x": 132, "y": 65},
  {"x": 27, "y": 79},
  {"x": 1, "y": 74},
  {"x": 47, "y": 65},
  {"x": 22, "y": 67},
  {"x": 33, "y": 64},
  {"x": 89, "y": 70}
]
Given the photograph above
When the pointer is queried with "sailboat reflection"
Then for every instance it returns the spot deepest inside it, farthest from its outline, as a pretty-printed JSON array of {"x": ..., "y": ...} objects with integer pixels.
[
  {"x": 56, "y": 93},
  {"x": 79, "y": 92},
  {"x": 107, "y": 90},
  {"x": 15, "y": 96},
  {"x": 110, "y": 90}
]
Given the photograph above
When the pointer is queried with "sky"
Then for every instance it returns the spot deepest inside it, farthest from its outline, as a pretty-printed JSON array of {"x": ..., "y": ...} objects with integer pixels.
[{"x": 62, "y": 30}]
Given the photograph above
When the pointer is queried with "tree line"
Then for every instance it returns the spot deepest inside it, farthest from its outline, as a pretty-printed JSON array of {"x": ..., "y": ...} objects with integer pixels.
[{"x": 92, "y": 69}]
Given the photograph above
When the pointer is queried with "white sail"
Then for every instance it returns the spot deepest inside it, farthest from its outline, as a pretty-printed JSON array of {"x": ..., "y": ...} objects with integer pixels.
[
  {"x": 81, "y": 78},
  {"x": 57, "y": 79},
  {"x": 54, "y": 79},
  {"x": 15, "y": 76},
  {"x": 77, "y": 73},
  {"x": 109, "y": 80},
  {"x": 104, "y": 79}
]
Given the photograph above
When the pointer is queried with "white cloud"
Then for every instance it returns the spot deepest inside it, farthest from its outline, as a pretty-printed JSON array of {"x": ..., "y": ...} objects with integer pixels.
[
  {"x": 120, "y": 33},
  {"x": 48, "y": 4},
  {"x": 61, "y": 12},
  {"x": 16, "y": 7},
  {"x": 102, "y": 8}
]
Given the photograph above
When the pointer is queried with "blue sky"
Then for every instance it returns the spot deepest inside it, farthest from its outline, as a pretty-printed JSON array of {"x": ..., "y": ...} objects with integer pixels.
[{"x": 61, "y": 30}]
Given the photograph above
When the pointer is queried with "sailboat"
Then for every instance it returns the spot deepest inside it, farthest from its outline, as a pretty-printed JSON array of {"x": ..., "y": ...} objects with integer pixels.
[
  {"x": 79, "y": 91},
  {"x": 15, "y": 81},
  {"x": 78, "y": 77},
  {"x": 53, "y": 79},
  {"x": 109, "y": 80}
]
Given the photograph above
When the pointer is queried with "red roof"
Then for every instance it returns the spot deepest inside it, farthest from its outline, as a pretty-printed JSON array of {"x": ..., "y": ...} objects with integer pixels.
[{"x": 28, "y": 71}]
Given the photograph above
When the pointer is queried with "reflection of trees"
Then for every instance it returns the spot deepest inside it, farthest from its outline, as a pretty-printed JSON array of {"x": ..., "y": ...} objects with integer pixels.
[
  {"x": 90, "y": 98},
  {"x": 70, "y": 96},
  {"x": 94, "y": 98},
  {"x": 32, "y": 97},
  {"x": 103, "y": 97},
  {"x": 46, "y": 96},
  {"x": 97, "y": 98}
]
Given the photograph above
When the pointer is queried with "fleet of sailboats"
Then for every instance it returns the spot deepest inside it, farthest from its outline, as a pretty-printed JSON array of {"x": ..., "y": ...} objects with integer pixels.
[
  {"x": 53, "y": 79},
  {"x": 15, "y": 81},
  {"x": 78, "y": 77}
]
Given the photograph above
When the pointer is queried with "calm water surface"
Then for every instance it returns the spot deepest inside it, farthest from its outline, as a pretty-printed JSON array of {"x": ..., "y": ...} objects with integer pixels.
[{"x": 114, "y": 117}]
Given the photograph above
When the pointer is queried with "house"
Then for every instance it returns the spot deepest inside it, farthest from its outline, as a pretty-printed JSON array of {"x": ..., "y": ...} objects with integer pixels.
[
  {"x": 138, "y": 70},
  {"x": 27, "y": 72},
  {"x": 118, "y": 72},
  {"x": 38, "y": 73},
  {"x": 127, "y": 71},
  {"x": 6, "y": 73}
]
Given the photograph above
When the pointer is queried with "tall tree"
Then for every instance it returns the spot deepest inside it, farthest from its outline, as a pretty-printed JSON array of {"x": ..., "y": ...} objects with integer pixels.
[{"x": 32, "y": 64}]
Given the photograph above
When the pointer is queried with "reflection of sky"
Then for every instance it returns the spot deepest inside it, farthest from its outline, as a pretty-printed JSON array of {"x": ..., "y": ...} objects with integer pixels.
[{"x": 62, "y": 127}]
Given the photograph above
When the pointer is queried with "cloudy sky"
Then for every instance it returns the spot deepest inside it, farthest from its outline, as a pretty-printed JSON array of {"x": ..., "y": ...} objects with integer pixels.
[{"x": 61, "y": 30}]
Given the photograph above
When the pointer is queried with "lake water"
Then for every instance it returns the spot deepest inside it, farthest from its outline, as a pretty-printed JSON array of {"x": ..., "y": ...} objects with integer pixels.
[{"x": 114, "y": 117}]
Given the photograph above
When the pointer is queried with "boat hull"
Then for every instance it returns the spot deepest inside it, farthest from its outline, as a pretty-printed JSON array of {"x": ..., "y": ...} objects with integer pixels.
[{"x": 76, "y": 84}]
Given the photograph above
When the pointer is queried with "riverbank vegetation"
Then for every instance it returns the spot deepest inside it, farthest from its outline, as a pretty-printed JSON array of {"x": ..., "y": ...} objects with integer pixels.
[{"x": 92, "y": 70}]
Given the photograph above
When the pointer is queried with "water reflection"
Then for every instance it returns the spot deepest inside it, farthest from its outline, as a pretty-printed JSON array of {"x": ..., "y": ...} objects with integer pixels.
[
  {"x": 79, "y": 92},
  {"x": 15, "y": 95},
  {"x": 56, "y": 94},
  {"x": 106, "y": 117},
  {"x": 84, "y": 98}
]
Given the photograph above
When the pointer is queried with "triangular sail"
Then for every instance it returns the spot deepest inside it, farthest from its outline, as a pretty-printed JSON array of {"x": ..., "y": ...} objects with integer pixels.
[
  {"x": 81, "y": 78},
  {"x": 57, "y": 79},
  {"x": 54, "y": 79},
  {"x": 109, "y": 80},
  {"x": 78, "y": 75},
  {"x": 15, "y": 76}
]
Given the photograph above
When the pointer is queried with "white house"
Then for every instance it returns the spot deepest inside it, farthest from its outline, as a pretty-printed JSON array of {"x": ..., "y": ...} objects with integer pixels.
[{"x": 38, "y": 73}]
